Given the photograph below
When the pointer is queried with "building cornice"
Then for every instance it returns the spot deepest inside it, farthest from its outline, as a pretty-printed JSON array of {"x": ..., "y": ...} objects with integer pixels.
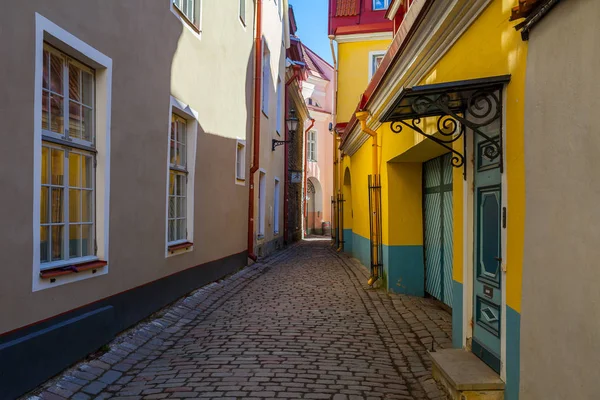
[
  {"x": 364, "y": 37},
  {"x": 441, "y": 27}
]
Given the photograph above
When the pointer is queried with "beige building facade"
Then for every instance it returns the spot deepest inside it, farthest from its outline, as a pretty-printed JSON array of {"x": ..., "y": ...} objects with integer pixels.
[
  {"x": 561, "y": 301},
  {"x": 127, "y": 165}
]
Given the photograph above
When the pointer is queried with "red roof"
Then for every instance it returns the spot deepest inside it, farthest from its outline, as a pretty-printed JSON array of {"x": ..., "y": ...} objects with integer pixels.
[{"x": 346, "y": 8}]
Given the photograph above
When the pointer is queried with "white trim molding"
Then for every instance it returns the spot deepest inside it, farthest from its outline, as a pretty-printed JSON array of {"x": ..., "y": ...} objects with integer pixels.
[
  {"x": 47, "y": 31},
  {"x": 240, "y": 181},
  {"x": 372, "y": 55},
  {"x": 364, "y": 37},
  {"x": 191, "y": 116}
]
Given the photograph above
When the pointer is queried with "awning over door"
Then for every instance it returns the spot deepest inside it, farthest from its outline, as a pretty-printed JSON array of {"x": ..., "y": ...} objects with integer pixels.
[{"x": 452, "y": 107}]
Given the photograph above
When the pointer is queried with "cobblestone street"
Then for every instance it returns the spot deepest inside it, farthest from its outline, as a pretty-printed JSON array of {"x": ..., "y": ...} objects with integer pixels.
[{"x": 300, "y": 324}]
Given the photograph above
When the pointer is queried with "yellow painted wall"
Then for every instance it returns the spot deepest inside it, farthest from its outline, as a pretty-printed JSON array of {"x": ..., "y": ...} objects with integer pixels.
[
  {"x": 490, "y": 47},
  {"x": 353, "y": 74}
]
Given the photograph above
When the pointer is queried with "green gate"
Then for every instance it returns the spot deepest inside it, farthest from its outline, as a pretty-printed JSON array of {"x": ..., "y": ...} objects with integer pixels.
[{"x": 437, "y": 222}]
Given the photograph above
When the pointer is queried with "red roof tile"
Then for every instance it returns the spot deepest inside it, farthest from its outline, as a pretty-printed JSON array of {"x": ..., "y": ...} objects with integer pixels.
[{"x": 346, "y": 8}]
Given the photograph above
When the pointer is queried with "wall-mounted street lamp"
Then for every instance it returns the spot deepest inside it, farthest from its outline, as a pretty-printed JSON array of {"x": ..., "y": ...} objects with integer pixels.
[{"x": 292, "y": 126}]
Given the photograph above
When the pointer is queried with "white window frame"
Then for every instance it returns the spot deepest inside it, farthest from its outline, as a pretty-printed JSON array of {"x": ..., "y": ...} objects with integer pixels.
[
  {"x": 262, "y": 204},
  {"x": 311, "y": 151},
  {"x": 279, "y": 4},
  {"x": 47, "y": 31},
  {"x": 386, "y": 5},
  {"x": 372, "y": 56},
  {"x": 196, "y": 30},
  {"x": 266, "y": 78},
  {"x": 279, "y": 128},
  {"x": 191, "y": 116},
  {"x": 276, "y": 205},
  {"x": 240, "y": 145}
]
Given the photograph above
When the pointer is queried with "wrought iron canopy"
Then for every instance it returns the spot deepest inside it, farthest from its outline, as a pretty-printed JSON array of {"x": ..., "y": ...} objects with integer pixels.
[{"x": 473, "y": 104}]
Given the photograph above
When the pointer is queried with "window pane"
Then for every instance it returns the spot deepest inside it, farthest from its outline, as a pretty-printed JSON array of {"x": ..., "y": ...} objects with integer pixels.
[
  {"x": 75, "y": 128},
  {"x": 180, "y": 189},
  {"x": 182, "y": 155},
  {"x": 182, "y": 227},
  {"x": 171, "y": 183},
  {"x": 44, "y": 244},
  {"x": 74, "y": 205},
  {"x": 74, "y": 83},
  {"x": 172, "y": 207},
  {"x": 181, "y": 207},
  {"x": 87, "y": 88},
  {"x": 56, "y": 74},
  {"x": 87, "y": 240},
  {"x": 75, "y": 171},
  {"x": 44, "y": 201},
  {"x": 171, "y": 230},
  {"x": 75, "y": 241},
  {"x": 57, "y": 167},
  {"x": 56, "y": 114},
  {"x": 87, "y": 124},
  {"x": 46, "y": 70},
  {"x": 181, "y": 129},
  {"x": 57, "y": 243},
  {"x": 45, "y": 110},
  {"x": 56, "y": 205},
  {"x": 87, "y": 203},
  {"x": 45, "y": 175},
  {"x": 87, "y": 171}
]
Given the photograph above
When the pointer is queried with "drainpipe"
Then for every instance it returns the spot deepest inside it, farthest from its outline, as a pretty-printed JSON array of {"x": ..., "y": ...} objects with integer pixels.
[
  {"x": 256, "y": 126},
  {"x": 312, "y": 123},
  {"x": 333, "y": 123},
  {"x": 362, "y": 117},
  {"x": 296, "y": 69}
]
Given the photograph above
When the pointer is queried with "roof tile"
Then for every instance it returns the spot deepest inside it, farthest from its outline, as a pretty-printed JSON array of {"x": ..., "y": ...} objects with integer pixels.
[{"x": 345, "y": 8}]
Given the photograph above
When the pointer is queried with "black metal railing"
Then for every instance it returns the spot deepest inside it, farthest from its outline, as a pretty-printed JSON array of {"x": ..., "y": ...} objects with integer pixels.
[{"x": 375, "y": 228}]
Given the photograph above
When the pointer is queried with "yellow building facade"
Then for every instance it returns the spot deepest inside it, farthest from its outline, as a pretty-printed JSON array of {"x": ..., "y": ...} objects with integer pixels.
[{"x": 445, "y": 65}]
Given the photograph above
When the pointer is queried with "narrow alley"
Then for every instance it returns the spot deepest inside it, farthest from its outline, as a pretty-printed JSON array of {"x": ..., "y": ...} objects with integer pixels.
[{"x": 301, "y": 324}]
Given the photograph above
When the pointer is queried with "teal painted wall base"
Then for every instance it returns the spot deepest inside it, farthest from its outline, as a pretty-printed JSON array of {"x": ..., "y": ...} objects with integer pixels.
[
  {"x": 404, "y": 269},
  {"x": 361, "y": 249},
  {"x": 457, "y": 315},
  {"x": 513, "y": 354},
  {"x": 348, "y": 240}
]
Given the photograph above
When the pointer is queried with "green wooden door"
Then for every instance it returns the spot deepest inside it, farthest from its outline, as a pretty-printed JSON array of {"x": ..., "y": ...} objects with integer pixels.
[
  {"x": 487, "y": 289},
  {"x": 437, "y": 221}
]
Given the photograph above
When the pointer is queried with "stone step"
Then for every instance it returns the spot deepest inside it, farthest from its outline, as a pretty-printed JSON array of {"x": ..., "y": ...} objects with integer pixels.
[{"x": 466, "y": 377}]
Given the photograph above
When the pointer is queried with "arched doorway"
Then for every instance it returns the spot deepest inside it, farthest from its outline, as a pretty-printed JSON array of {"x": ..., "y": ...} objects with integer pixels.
[{"x": 314, "y": 204}]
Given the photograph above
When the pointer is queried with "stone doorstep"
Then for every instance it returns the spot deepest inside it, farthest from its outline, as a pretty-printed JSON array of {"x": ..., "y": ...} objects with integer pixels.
[{"x": 465, "y": 376}]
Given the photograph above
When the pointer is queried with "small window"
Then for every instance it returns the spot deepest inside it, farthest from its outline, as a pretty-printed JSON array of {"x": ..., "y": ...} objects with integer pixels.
[
  {"x": 178, "y": 181},
  {"x": 262, "y": 203},
  {"x": 266, "y": 78},
  {"x": 312, "y": 146},
  {"x": 243, "y": 11},
  {"x": 279, "y": 106},
  {"x": 240, "y": 161},
  {"x": 375, "y": 61},
  {"x": 276, "y": 208},
  {"x": 313, "y": 102},
  {"x": 190, "y": 11},
  {"x": 381, "y": 4}
]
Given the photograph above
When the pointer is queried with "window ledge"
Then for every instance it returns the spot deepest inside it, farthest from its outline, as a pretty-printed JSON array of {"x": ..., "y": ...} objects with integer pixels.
[
  {"x": 264, "y": 113},
  {"x": 181, "y": 246},
  {"x": 72, "y": 269}
]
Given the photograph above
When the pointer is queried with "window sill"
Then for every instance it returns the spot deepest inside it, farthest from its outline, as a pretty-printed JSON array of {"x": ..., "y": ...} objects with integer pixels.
[
  {"x": 181, "y": 246},
  {"x": 264, "y": 113},
  {"x": 72, "y": 269},
  {"x": 186, "y": 20}
]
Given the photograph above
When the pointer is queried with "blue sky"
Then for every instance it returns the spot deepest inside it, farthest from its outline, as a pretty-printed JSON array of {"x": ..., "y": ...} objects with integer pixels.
[{"x": 311, "y": 17}]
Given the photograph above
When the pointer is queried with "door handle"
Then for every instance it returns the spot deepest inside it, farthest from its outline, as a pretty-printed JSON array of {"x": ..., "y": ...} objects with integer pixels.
[{"x": 499, "y": 259}]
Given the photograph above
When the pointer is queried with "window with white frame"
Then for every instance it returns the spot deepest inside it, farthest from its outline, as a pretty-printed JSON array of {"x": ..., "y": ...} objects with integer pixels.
[
  {"x": 262, "y": 203},
  {"x": 381, "y": 4},
  {"x": 242, "y": 11},
  {"x": 276, "y": 208},
  {"x": 67, "y": 197},
  {"x": 312, "y": 145},
  {"x": 240, "y": 161},
  {"x": 178, "y": 180},
  {"x": 375, "y": 59},
  {"x": 279, "y": 106},
  {"x": 266, "y": 78},
  {"x": 190, "y": 10}
]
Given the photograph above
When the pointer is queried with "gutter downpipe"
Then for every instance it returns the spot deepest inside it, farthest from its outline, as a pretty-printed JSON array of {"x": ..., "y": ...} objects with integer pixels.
[
  {"x": 256, "y": 127},
  {"x": 312, "y": 123},
  {"x": 334, "y": 138},
  {"x": 362, "y": 117},
  {"x": 296, "y": 68}
]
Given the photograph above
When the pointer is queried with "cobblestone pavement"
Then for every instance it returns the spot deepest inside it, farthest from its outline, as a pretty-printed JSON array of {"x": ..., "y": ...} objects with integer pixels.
[{"x": 301, "y": 324}]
